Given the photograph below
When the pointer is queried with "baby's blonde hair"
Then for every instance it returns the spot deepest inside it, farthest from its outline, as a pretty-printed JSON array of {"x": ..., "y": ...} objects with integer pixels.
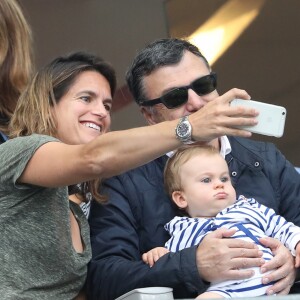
[{"x": 172, "y": 179}]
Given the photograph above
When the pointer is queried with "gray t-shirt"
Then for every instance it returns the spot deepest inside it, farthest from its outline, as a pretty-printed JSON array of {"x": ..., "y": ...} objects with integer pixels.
[{"x": 37, "y": 258}]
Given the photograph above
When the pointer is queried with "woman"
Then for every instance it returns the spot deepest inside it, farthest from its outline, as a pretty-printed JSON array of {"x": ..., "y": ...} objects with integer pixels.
[
  {"x": 15, "y": 60},
  {"x": 58, "y": 141}
]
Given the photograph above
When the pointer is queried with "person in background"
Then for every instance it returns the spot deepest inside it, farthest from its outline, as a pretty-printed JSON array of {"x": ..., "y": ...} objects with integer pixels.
[
  {"x": 171, "y": 79},
  {"x": 16, "y": 65},
  {"x": 198, "y": 181},
  {"x": 59, "y": 139}
]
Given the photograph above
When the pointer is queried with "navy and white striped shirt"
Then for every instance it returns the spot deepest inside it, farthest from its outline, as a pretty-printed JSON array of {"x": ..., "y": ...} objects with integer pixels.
[{"x": 252, "y": 221}]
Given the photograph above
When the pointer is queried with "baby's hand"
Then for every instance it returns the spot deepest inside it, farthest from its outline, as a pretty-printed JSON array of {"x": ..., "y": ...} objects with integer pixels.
[
  {"x": 153, "y": 255},
  {"x": 297, "y": 263}
]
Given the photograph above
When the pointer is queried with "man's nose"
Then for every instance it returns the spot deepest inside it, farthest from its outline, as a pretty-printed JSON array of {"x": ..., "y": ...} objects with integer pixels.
[{"x": 195, "y": 102}]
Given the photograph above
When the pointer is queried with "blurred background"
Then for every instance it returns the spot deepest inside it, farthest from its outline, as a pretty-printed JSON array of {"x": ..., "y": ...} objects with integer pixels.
[{"x": 251, "y": 44}]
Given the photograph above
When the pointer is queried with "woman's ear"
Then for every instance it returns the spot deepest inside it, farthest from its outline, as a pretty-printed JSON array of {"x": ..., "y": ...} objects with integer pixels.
[{"x": 179, "y": 199}]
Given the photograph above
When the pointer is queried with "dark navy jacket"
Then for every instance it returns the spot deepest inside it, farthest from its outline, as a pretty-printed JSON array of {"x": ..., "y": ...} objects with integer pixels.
[{"x": 132, "y": 221}]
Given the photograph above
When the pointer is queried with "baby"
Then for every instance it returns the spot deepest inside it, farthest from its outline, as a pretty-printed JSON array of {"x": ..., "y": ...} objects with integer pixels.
[{"x": 197, "y": 178}]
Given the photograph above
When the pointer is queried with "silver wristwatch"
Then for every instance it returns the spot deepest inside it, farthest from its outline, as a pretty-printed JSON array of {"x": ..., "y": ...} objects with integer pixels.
[{"x": 183, "y": 130}]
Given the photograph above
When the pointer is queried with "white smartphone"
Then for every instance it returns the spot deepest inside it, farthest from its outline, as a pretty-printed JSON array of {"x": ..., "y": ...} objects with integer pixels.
[{"x": 271, "y": 118}]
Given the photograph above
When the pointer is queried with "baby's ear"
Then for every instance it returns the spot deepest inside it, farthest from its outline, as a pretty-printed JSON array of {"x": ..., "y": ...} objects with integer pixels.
[{"x": 179, "y": 199}]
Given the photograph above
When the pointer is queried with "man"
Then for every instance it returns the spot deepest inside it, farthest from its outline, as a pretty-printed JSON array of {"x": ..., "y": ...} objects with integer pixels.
[{"x": 169, "y": 79}]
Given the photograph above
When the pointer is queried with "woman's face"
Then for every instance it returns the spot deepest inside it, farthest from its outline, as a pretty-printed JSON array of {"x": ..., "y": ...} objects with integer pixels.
[{"x": 83, "y": 113}]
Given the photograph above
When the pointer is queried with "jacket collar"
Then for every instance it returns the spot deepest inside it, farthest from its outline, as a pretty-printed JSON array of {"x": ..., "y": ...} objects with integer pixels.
[{"x": 242, "y": 152}]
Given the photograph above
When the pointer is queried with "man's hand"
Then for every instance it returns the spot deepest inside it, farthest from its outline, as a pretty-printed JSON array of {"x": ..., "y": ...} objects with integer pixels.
[
  {"x": 283, "y": 267},
  {"x": 220, "y": 259}
]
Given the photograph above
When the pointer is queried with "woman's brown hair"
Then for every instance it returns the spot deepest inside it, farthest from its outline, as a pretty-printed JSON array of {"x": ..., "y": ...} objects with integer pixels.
[{"x": 34, "y": 113}]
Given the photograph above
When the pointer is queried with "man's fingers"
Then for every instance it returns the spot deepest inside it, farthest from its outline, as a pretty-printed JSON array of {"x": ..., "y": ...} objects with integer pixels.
[
  {"x": 286, "y": 275},
  {"x": 244, "y": 252},
  {"x": 239, "y": 274},
  {"x": 281, "y": 287},
  {"x": 237, "y": 243},
  {"x": 273, "y": 244},
  {"x": 239, "y": 248},
  {"x": 282, "y": 292},
  {"x": 242, "y": 263},
  {"x": 281, "y": 267},
  {"x": 221, "y": 233},
  {"x": 282, "y": 264}
]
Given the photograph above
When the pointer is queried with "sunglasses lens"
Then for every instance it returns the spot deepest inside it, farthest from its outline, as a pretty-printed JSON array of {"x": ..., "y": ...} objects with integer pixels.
[
  {"x": 175, "y": 98},
  {"x": 179, "y": 96},
  {"x": 205, "y": 85}
]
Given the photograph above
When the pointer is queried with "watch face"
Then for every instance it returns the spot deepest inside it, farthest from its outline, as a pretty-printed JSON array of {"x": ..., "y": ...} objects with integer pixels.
[{"x": 183, "y": 129}]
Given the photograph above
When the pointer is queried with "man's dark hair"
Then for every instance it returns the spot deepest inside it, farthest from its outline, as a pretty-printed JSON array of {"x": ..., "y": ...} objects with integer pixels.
[{"x": 163, "y": 52}]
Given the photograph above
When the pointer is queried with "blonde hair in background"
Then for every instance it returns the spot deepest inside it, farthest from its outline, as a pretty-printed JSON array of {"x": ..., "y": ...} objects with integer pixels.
[
  {"x": 172, "y": 179},
  {"x": 36, "y": 101},
  {"x": 16, "y": 54}
]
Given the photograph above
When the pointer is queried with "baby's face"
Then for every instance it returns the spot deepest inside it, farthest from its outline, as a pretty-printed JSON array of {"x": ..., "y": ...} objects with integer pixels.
[{"x": 206, "y": 186}]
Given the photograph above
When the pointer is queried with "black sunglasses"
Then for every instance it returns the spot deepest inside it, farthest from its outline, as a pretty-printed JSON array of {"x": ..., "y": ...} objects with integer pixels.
[{"x": 179, "y": 96}]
